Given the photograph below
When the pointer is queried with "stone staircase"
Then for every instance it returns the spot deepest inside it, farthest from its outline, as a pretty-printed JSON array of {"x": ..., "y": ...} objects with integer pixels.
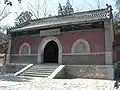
[{"x": 41, "y": 70}]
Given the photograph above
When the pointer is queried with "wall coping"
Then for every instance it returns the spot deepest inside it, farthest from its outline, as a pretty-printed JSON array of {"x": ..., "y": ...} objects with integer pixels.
[
  {"x": 108, "y": 66},
  {"x": 56, "y": 71}
]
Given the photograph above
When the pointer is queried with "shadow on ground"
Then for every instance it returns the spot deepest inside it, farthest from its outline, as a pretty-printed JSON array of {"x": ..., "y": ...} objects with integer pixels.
[{"x": 11, "y": 77}]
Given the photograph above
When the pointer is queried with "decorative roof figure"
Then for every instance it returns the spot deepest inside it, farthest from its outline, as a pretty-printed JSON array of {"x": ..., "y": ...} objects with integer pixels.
[
  {"x": 23, "y": 18},
  {"x": 59, "y": 10},
  {"x": 64, "y": 11}
]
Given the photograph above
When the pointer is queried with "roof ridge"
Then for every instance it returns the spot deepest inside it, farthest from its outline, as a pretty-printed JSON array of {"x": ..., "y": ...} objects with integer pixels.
[
  {"x": 80, "y": 17},
  {"x": 102, "y": 9}
]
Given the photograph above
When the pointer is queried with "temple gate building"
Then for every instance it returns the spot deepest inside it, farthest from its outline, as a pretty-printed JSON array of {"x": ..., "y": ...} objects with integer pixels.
[{"x": 84, "y": 38}]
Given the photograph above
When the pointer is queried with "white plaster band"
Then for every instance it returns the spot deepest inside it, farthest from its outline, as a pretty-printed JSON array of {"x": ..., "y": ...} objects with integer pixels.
[
  {"x": 23, "y": 54},
  {"x": 97, "y": 53}
]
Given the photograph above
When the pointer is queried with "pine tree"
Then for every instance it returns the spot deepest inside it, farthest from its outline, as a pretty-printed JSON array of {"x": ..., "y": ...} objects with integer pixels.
[
  {"x": 118, "y": 5},
  {"x": 69, "y": 8},
  {"x": 66, "y": 10}
]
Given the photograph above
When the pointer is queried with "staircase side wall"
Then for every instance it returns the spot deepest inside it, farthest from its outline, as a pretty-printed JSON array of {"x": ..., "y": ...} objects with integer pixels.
[{"x": 90, "y": 71}]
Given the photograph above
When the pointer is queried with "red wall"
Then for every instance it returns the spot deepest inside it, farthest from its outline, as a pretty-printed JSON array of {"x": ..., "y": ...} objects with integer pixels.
[{"x": 95, "y": 37}]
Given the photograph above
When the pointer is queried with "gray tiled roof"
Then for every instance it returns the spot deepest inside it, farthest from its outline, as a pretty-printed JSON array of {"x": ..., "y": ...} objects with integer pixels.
[{"x": 81, "y": 17}]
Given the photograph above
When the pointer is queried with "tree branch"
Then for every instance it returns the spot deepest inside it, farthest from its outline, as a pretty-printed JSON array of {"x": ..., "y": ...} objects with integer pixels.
[
  {"x": 33, "y": 12},
  {"x": 5, "y": 16},
  {"x": 37, "y": 8},
  {"x": 79, "y": 9},
  {"x": 98, "y": 4},
  {"x": 32, "y": 6},
  {"x": 3, "y": 10},
  {"x": 89, "y": 4}
]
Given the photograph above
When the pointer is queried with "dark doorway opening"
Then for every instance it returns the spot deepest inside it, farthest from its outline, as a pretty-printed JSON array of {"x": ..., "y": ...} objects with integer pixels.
[{"x": 51, "y": 52}]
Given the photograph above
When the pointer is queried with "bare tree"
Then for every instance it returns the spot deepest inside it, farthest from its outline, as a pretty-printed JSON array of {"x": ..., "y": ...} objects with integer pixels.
[
  {"x": 99, "y": 3},
  {"x": 4, "y": 10},
  {"x": 45, "y": 8},
  {"x": 35, "y": 9},
  {"x": 88, "y": 4},
  {"x": 79, "y": 9},
  {"x": 38, "y": 9}
]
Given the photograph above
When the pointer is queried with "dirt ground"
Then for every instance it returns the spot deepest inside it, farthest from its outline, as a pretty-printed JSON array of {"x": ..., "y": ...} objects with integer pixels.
[{"x": 10, "y": 82}]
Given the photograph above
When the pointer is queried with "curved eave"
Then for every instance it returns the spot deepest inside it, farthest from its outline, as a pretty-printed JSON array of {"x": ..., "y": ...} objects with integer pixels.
[{"x": 55, "y": 25}]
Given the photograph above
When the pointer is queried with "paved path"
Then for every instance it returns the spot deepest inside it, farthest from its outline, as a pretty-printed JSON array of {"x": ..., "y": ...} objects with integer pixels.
[{"x": 36, "y": 83}]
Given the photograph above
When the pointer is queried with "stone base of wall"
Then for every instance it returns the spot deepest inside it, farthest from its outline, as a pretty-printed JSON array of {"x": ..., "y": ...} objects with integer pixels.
[
  {"x": 83, "y": 59},
  {"x": 88, "y": 71},
  {"x": 24, "y": 59}
]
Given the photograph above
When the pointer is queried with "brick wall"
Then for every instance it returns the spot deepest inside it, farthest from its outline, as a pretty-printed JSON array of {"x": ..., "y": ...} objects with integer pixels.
[{"x": 95, "y": 37}]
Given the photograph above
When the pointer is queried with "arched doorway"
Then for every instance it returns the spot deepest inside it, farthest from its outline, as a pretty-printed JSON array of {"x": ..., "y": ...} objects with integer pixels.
[
  {"x": 41, "y": 48},
  {"x": 50, "y": 54}
]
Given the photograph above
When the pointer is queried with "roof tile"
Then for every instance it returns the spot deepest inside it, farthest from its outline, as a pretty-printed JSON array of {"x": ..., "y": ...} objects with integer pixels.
[{"x": 81, "y": 17}]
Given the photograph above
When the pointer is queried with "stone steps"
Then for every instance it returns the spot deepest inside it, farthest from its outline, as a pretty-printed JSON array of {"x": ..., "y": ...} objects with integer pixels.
[
  {"x": 36, "y": 75},
  {"x": 40, "y": 71}
]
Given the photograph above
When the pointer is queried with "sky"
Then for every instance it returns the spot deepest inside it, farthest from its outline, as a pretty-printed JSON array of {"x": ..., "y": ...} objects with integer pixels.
[{"x": 52, "y": 7}]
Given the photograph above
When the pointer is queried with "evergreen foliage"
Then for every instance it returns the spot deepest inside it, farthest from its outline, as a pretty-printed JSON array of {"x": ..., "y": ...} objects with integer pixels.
[{"x": 65, "y": 10}]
